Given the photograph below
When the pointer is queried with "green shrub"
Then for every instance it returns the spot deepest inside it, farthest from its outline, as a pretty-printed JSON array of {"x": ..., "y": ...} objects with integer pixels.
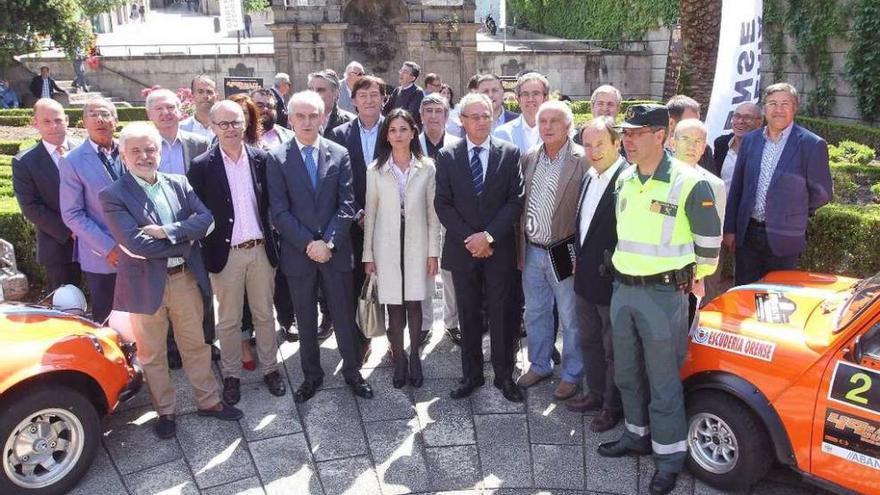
[
  {"x": 583, "y": 106},
  {"x": 15, "y": 120},
  {"x": 16, "y": 111},
  {"x": 875, "y": 190},
  {"x": 9, "y": 147},
  {"x": 836, "y": 132},
  {"x": 20, "y": 232},
  {"x": 22, "y": 117},
  {"x": 5, "y": 160},
  {"x": 850, "y": 152},
  {"x": 843, "y": 239}
]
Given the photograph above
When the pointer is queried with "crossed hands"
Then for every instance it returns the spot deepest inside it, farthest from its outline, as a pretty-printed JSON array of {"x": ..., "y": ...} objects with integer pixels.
[
  {"x": 478, "y": 245},
  {"x": 318, "y": 251}
]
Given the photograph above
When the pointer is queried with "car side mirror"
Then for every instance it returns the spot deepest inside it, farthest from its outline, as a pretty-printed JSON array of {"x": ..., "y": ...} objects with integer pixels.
[
  {"x": 857, "y": 352},
  {"x": 858, "y": 348}
]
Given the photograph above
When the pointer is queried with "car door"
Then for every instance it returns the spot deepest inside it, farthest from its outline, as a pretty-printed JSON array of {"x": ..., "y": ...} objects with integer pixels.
[{"x": 846, "y": 429}]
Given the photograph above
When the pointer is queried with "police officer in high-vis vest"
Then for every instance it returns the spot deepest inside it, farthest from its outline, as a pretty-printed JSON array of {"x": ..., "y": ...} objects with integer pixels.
[{"x": 669, "y": 236}]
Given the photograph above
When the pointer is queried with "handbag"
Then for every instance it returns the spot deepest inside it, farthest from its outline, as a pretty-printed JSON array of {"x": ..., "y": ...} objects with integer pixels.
[{"x": 370, "y": 313}]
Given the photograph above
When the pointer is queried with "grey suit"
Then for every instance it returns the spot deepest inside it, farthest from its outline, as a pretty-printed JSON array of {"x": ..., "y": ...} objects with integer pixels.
[
  {"x": 193, "y": 146},
  {"x": 35, "y": 180},
  {"x": 302, "y": 214}
]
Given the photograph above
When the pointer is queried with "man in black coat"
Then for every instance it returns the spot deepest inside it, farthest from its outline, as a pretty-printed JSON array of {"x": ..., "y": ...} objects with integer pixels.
[
  {"x": 35, "y": 180},
  {"x": 407, "y": 94},
  {"x": 596, "y": 236},
  {"x": 479, "y": 197},
  {"x": 43, "y": 86}
]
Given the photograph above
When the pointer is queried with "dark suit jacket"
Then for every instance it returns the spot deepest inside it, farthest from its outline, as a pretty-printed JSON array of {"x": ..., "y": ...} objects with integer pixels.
[
  {"x": 801, "y": 183},
  {"x": 35, "y": 180},
  {"x": 349, "y": 136},
  {"x": 207, "y": 174},
  {"x": 719, "y": 151},
  {"x": 140, "y": 282},
  {"x": 336, "y": 118},
  {"x": 36, "y": 87},
  {"x": 280, "y": 109},
  {"x": 508, "y": 116},
  {"x": 409, "y": 99},
  {"x": 495, "y": 211},
  {"x": 301, "y": 214},
  {"x": 590, "y": 281}
]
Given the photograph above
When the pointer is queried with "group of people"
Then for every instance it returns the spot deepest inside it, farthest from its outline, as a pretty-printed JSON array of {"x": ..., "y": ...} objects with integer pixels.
[{"x": 253, "y": 209}]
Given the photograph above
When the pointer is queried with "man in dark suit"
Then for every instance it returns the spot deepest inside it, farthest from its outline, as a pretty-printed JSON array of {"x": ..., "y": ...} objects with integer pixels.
[
  {"x": 85, "y": 171},
  {"x": 490, "y": 85},
  {"x": 746, "y": 118},
  {"x": 780, "y": 179},
  {"x": 596, "y": 236},
  {"x": 326, "y": 84},
  {"x": 158, "y": 220},
  {"x": 35, "y": 180},
  {"x": 479, "y": 198},
  {"x": 407, "y": 94},
  {"x": 311, "y": 201},
  {"x": 360, "y": 137},
  {"x": 240, "y": 253},
  {"x": 43, "y": 86},
  {"x": 280, "y": 90}
]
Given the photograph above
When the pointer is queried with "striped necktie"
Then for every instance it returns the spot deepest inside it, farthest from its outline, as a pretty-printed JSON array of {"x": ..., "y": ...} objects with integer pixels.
[{"x": 477, "y": 170}]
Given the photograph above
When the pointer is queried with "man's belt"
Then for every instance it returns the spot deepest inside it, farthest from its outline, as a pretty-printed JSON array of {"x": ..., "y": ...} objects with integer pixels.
[
  {"x": 174, "y": 270},
  {"x": 249, "y": 244},
  {"x": 679, "y": 278}
]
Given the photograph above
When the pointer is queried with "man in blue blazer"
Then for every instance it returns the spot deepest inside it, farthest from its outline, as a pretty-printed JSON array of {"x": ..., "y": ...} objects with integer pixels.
[
  {"x": 311, "y": 205},
  {"x": 781, "y": 177},
  {"x": 86, "y": 170},
  {"x": 158, "y": 221}
]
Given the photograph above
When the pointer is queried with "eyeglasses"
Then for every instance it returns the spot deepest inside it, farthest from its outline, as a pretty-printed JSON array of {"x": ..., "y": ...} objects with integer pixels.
[
  {"x": 100, "y": 115},
  {"x": 748, "y": 118},
  {"x": 482, "y": 117},
  {"x": 235, "y": 124},
  {"x": 531, "y": 94}
]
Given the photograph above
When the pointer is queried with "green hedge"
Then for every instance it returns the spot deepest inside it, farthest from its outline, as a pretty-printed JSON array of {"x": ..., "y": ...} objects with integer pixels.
[
  {"x": 835, "y": 132},
  {"x": 15, "y": 120},
  {"x": 21, "y": 117},
  {"x": 20, "y": 232},
  {"x": 843, "y": 239}
]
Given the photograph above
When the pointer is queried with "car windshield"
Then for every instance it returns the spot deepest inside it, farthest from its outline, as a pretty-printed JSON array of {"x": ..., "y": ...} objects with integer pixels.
[{"x": 863, "y": 294}]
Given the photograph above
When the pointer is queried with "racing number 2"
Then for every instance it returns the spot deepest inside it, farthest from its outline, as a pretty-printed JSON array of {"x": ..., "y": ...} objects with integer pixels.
[
  {"x": 854, "y": 394},
  {"x": 854, "y": 385}
]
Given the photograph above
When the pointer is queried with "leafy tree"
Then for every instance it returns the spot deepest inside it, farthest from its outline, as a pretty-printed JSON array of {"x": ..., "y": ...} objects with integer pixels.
[
  {"x": 26, "y": 24},
  {"x": 253, "y": 6}
]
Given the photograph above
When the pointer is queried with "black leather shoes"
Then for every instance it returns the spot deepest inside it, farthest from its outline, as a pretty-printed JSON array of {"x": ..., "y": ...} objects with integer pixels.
[
  {"x": 466, "y": 387},
  {"x": 509, "y": 389},
  {"x": 275, "y": 383},
  {"x": 325, "y": 329},
  {"x": 174, "y": 361},
  {"x": 662, "y": 483},
  {"x": 360, "y": 388},
  {"x": 401, "y": 366},
  {"x": 225, "y": 413},
  {"x": 306, "y": 391},
  {"x": 165, "y": 427},
  {"x": 231, "y": 390},
  {"x": 454, "y": 335},
  {"x": 289, "y": 332},
  {"x": 617, "y": 449}
]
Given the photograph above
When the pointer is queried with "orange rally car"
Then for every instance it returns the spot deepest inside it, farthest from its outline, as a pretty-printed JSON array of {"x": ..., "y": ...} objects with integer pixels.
[
  {"x": 787, "y": 370},
  {"x": 59, "y": 374}
]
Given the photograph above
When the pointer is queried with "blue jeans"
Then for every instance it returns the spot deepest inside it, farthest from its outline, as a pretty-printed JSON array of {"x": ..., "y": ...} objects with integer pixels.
[{"x": 541, "y": 288}]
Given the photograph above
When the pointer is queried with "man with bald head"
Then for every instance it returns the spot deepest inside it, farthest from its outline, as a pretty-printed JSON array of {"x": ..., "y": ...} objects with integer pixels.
[
  {"x": 240, "y": 254},
  {"x": 86, "y": 170},
  {"x": 746, "y": 118},
  {"x": 158, "y": 220},
  {"x": 35, "y": 180}
]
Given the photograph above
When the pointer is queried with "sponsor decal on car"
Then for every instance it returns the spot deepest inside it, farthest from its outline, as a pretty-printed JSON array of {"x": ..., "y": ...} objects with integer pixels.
[
  {"x": 737, "y": 344},
  {"x": 855, "y": 386},
  {"x": 852, "y": 438},
  {"x": 774, "y": 307}
]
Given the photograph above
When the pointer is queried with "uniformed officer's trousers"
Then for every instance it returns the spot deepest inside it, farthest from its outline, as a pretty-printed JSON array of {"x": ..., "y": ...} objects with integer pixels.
[{"x": 650, "y": 342}]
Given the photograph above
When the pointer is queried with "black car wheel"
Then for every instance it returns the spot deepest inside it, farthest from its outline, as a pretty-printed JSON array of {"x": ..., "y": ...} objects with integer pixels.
[
  {"x": 728, "y": 448},
  {"x": 49, "y": 437}
]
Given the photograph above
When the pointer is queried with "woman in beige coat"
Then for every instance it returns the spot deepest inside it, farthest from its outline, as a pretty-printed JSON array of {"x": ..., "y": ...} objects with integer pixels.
[{"x": 401, "y": 236}]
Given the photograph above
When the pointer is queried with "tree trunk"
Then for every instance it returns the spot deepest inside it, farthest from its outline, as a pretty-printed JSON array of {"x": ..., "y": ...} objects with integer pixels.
[{"x": 700, "y": 29}]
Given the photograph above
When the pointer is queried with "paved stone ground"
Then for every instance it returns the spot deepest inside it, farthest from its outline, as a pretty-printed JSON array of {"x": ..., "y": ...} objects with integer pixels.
[{"x": 402, "y": 441}]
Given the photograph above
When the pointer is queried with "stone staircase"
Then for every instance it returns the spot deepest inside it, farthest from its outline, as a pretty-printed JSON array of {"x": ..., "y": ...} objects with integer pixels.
[{"x": 78, "y": 98}]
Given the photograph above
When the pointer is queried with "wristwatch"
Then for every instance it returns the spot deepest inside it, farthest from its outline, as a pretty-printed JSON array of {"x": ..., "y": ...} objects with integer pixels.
[
  {"x": 489, "y": 237},
  {"x": 330, "y": 245}
]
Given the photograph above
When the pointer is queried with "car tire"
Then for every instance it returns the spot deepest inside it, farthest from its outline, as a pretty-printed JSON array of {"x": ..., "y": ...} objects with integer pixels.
[
  {"x": 50, "y": 422},
  {"x": 728, "y": 447}
]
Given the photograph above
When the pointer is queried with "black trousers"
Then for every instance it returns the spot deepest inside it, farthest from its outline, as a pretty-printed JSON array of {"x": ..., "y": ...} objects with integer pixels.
[
  {"x": 754, "y": 258},
  {"x": 62, "y": 273},
  {"x": 337, "y": 290},
  {"x": 597, "y": 347},
  {"x": 471, "y": 288},
  {"x": 101, "y": 288}
]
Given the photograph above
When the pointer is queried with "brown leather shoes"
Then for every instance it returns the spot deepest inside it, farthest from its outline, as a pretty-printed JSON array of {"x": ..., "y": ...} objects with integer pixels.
[
  {"x": 530, "y": 378},
  {"x": 605, "y": 420},
  {"x": 565, "y": 390},
  {"x": 584, "y": 403}
]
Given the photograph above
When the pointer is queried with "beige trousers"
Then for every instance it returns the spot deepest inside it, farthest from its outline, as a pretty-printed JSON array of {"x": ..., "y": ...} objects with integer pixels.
[
  {"x": 246, "y": 269},
  {"x": 182, "y": 305}
]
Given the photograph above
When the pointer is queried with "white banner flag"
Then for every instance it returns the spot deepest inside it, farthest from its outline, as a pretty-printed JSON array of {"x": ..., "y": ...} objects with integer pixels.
[
  {"x": 737, "y": 79},
  {"x": 231, "y": 17}
]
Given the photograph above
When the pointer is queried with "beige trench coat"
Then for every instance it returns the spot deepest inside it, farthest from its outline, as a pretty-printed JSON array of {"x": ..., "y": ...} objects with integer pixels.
[{"x": 382, "y": 230}]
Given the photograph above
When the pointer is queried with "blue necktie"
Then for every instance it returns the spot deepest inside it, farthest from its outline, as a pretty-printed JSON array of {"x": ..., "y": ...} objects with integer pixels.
[
  {"x": 477, "y": 170},
  {"x": 310, "y": 165}
]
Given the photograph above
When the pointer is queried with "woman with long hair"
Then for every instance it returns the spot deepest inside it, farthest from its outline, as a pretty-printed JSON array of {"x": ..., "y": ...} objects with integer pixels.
[
  {"x": 254, "y": 128},
  {"x": 401, "y": 236}
]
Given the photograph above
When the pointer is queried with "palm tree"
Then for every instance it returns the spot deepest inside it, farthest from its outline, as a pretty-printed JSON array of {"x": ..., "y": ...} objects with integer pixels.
[{"x": 700, "y": 29}]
